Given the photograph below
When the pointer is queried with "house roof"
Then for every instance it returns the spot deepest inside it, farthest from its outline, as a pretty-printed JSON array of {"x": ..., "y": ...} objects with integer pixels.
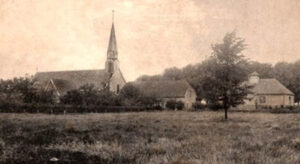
[
  {"x": 163, "y": 88},
  {"x": 271, "y": 86},
  {"x": 68, "y": 80}
]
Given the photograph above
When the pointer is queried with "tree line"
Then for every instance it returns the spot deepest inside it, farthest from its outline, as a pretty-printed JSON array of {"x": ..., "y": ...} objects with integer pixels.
[
  {"x": 218, "y": 79},
  {"x": 24, "y": 90},
  {"x": 198, "y": 75}
]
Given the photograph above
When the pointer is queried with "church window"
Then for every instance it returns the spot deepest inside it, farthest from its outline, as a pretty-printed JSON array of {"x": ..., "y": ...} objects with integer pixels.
[{"x": 118, "y": 88}]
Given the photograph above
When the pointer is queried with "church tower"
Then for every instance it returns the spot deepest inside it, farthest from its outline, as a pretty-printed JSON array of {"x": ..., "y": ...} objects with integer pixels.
[
  {"x": 112, "y": 62},
  {"x": 116, "y": 79}
]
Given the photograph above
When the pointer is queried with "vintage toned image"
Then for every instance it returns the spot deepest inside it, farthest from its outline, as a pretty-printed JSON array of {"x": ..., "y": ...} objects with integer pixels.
[{"x": 150, "y": 81}]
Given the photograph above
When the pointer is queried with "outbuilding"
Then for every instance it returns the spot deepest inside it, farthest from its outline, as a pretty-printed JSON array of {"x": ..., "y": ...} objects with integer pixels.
[{"x": 268, "y": 92}]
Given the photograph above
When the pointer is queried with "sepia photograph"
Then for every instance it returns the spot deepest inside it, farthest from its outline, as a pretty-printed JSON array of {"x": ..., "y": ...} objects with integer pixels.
[{"x": 150, "y": 81}]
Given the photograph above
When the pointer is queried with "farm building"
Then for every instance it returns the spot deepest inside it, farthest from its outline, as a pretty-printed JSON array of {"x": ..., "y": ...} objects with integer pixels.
[
  {"x": 165, "y": 90},
  {"x": 63, "y": 81},
  {"x": 268, "y": 92}
]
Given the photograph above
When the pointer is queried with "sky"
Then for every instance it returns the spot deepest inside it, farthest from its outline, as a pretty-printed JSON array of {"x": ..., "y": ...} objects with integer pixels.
[{"x": 53, "y": 35}]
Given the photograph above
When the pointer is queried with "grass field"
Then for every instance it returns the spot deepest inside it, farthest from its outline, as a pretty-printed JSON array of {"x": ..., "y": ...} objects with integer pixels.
[{"x": 154, "y": 137}]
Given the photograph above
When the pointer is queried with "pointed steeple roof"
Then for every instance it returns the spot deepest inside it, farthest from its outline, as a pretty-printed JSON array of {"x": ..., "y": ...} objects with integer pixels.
[{"x": 112, "y": 51}]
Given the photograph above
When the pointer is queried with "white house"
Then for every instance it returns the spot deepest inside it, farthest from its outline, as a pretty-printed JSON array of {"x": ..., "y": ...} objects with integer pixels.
[{"x": 268, "y": 92}]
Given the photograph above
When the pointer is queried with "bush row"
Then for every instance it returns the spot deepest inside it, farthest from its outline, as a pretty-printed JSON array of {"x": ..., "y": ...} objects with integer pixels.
[
  {"x": 60, "y": 108},
  {"x": 284, "y": 110},
  {"x": 268, "y": 109}
]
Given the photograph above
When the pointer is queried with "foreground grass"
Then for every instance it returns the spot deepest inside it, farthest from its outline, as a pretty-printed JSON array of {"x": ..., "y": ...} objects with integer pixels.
[{"x": 155, "y": 137}]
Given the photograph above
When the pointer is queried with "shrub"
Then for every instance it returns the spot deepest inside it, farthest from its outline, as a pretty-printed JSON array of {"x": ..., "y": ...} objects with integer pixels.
[
  {"x": 62, "y": 108},
  {"x": 149, "y": 102},
  {"x": 89, "y": 95},
  {"x": 173, "y": 104},
  {"x": 214, "y": 106},
  {"x": 180, "y": 105},
  {"x": 199, "y": 105},
  {"x": 130, "y": 92},
  {"x": 291, "y": 107}
]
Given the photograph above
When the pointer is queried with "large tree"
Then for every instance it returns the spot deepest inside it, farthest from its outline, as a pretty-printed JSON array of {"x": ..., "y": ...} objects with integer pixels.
[
  {"x": 225, "y": 73},
  {"x": 23, "y": 90},
  {"x": 296, "y": 81}
]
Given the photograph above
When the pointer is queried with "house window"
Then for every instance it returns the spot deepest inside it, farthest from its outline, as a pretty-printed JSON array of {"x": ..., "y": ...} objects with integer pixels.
[
  {"x": 262, "y": 99},
  {"x": 118, "y": 88},
  {"x": 290, "y": 100}
]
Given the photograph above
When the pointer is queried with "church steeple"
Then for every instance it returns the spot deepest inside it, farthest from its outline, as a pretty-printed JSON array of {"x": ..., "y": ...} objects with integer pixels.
[
  {"x": 112, "y": 63},
  {"x": 112, "y": 51}
]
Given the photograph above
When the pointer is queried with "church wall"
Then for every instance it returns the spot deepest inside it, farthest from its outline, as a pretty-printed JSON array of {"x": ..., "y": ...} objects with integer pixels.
[{"x": 116, "y": 80}]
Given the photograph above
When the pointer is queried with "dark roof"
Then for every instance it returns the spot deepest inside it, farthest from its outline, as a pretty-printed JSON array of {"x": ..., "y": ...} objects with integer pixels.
[
  {"x": 272, "y": 87},
  {"x": 163, "y": 88},
  {"x": 68, "y": 80}
]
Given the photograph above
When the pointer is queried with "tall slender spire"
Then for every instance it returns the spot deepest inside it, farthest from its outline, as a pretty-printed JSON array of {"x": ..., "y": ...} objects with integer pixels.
[
  {"x": 112, "y": 51},
  {"x": 112, "y": 62}
]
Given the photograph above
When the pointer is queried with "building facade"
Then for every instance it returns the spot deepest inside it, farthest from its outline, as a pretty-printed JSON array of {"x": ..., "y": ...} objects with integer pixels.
[
  {"x": 268, "y": 93},
  {"x": 166, "y": 90}
]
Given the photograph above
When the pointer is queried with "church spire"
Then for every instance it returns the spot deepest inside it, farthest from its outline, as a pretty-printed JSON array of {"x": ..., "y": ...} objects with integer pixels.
[
  {"x": 112, "y": 51},
  {"x": 112, "y": 62}
]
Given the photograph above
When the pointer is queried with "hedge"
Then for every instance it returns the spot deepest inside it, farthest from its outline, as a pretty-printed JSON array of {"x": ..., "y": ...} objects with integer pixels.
[{"x": 60, "y": 109}]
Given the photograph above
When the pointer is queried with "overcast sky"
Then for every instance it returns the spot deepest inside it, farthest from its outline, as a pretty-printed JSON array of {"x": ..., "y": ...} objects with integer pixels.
[{"x": 152, "y": 35}]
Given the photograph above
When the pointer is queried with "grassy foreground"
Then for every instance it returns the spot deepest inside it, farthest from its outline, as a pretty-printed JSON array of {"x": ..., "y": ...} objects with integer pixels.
[{"x": 154, "y": 137}]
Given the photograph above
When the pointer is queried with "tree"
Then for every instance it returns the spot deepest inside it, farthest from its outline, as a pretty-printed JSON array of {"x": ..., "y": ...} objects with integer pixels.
[
  {"x": 72, "y": 97},
  {"x": 296, "y": 81},
  {"x": 149, "y": 78},
  {"x": 130, "y": 92},
  {"x": 265, "y": 70},
  {"x": 172, "y": 73},
  {"x": 89, "y": 95},
  {"x": 130, "y": 95},
  {"x": 173, "y": 104},
  {"x": 226, "y": 74},
  {"x": 23, "y": 90}
]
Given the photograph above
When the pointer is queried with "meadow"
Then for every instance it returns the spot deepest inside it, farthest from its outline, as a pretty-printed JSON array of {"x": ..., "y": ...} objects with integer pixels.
[{"x": 151, "y": 137}]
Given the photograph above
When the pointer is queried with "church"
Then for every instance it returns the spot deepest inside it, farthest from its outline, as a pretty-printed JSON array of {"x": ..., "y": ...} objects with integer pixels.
[{"x": 63, "y": 81}]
